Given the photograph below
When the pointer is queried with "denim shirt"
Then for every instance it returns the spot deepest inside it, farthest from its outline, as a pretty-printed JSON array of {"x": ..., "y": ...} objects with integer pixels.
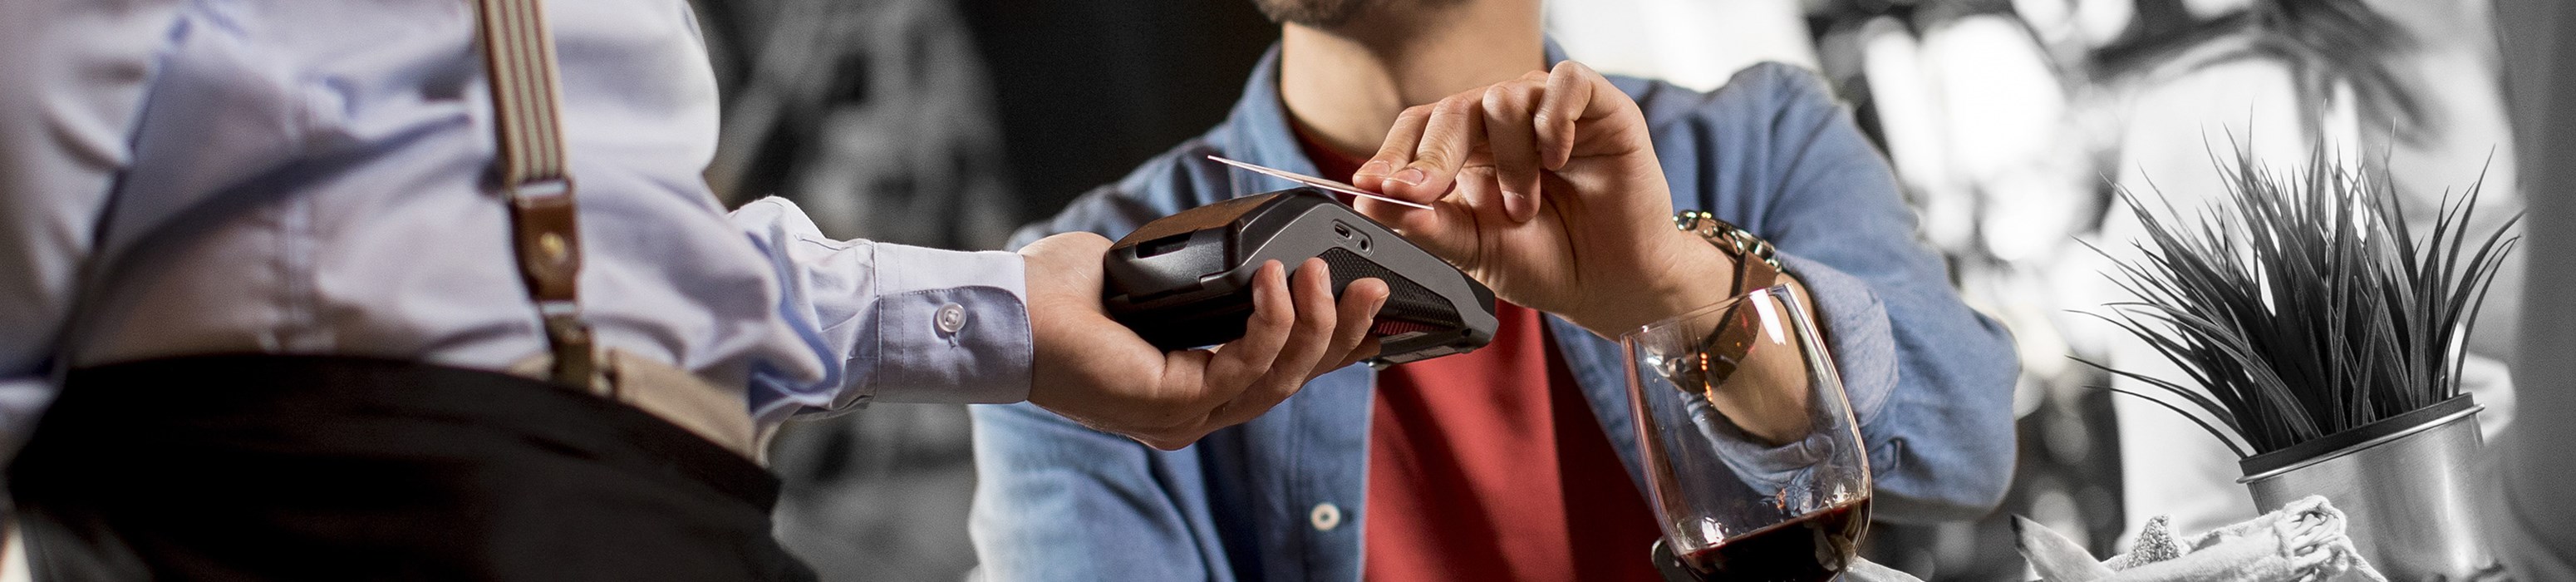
[{"x": 1283, "y": 497}]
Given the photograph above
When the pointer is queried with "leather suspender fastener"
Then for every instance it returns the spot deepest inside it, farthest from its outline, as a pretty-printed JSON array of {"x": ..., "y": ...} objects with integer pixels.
[{"x": 519, "y": 54}]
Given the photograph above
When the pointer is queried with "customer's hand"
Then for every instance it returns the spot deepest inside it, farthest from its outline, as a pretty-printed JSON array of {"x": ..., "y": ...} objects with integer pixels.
[
  {"x": 1096, "y": 372},
  {"x": 1546, "y": 188}
]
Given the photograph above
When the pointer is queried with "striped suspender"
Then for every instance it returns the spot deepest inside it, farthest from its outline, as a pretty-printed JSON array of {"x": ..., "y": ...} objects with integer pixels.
[{"x": 520, "y": 56}]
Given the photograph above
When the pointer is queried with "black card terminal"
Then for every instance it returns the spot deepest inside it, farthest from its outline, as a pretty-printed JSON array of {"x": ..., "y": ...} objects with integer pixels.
[{"x": 1185, "y": 280}]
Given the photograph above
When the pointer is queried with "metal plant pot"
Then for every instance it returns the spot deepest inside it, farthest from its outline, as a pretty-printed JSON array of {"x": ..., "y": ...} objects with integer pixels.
[{"x": 2403, "y": 483}]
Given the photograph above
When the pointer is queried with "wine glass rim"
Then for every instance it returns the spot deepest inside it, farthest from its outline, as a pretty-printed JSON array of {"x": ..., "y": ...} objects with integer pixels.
[{"x": 1780, "y": 289}]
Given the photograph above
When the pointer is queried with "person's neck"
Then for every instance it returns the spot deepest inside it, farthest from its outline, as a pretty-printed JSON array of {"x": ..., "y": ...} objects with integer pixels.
[{"x": 1345, "y": 87}]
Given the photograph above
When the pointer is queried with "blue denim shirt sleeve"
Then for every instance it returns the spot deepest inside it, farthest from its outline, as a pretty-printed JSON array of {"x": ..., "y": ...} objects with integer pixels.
[
  {"x": 1930, "y": 379},
  {"x": 1057, "y": 501}
]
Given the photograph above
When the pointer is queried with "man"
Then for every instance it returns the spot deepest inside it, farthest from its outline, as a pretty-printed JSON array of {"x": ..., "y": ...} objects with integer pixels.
[
  {"x": 1515, "y": 461},
  {"x": 279, "y": 262}
]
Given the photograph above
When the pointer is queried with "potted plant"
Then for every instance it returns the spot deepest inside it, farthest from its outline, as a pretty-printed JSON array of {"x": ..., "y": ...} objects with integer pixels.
[{"x": 2322, "y": 340}]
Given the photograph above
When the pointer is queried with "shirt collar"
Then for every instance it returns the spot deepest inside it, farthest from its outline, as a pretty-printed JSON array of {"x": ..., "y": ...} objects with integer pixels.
[{"x": 1258, "y": 130}]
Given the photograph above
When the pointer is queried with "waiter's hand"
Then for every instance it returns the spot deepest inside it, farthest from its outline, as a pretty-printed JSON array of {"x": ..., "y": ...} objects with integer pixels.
[
  {"x": 1096, "y": 372},
  {"x": 1546, "y": 189}
]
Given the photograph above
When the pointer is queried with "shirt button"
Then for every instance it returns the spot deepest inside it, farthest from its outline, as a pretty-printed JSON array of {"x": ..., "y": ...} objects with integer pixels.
[
  {"x": 951, "y": 318},
  {"x": 1326, "y": 516}
]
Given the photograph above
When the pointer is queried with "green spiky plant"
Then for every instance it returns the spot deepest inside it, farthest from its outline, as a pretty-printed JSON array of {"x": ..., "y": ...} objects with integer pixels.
[{"x": 2301, "y": 304}]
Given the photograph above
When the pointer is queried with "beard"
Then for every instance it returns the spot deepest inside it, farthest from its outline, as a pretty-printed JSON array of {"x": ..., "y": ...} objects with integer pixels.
[{"x": 1322, "y": 14}]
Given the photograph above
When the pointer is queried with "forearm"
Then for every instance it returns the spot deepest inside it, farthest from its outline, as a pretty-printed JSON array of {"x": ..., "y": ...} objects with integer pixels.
[
  {"x": 1767, "y": 393},
  {"x": 1770, "y": 395}
]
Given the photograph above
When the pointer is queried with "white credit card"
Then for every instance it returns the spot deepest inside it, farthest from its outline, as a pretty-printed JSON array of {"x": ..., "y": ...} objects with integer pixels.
[{"x": 1317, "y": 182}]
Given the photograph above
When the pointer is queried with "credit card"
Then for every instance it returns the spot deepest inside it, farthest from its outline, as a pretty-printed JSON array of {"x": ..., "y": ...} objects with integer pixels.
[{"x": 1326, "y": 184}]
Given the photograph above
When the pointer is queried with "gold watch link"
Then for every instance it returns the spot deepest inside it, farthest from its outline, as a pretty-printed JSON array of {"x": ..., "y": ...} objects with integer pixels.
[{"x": 1756, "y": 267}]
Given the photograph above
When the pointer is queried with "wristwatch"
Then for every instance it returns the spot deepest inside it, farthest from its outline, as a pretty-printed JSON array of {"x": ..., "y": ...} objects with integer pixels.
[{"x": 1756, "y": 267}]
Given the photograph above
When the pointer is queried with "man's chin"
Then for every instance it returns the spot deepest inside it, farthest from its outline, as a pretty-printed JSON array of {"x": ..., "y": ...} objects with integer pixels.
[{"x": 1319, "y": 14}]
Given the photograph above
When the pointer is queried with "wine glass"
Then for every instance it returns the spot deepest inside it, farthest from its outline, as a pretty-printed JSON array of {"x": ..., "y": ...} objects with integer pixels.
[{"x": 1754, "y": 460}]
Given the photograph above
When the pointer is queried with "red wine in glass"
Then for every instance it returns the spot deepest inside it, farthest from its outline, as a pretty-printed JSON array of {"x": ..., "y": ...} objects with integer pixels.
[{"x": 1814, "y": 547}]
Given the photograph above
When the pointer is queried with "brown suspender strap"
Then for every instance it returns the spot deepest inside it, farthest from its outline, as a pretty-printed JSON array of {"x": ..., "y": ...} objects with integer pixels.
[{"x": 519, "y": 54}]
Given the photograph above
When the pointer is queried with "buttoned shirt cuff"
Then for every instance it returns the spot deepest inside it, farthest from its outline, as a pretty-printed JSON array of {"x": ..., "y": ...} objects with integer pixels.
[{"x": 951, "y": 327}]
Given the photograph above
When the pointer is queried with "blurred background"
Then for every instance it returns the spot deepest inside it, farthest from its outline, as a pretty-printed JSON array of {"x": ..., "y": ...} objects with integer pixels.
[{"x": 2011, "y": 123}]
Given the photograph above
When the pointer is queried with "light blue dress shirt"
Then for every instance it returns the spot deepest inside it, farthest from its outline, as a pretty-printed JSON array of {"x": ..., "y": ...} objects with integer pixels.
[
  {"x": 285, "y": 176},
  {"x": 1283, "y": 497}
]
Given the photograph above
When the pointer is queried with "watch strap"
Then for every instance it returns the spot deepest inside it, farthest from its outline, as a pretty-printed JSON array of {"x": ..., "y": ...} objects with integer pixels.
[{"x": 1756, "y": 267}]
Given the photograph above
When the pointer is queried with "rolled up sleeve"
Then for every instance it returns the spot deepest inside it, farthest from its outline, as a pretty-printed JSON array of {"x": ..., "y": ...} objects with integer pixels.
[
  {"x": 1930, "y": 380},
  {"x": 1858, "y": 333}
]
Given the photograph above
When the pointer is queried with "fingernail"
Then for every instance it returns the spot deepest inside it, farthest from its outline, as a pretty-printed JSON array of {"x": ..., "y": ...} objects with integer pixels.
[
  {"x": 1374, "y": 168},
  {"x": 1411, "y": 177}
]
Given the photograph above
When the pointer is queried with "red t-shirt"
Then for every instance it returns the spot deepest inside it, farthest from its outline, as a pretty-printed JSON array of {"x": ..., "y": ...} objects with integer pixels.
[{"x": 1490, "y": 465}]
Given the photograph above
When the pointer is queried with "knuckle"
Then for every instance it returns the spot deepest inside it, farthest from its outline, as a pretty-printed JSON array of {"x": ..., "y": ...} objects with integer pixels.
[
  {"x": 1437, "y": 137},
  {"x": 1316, "y": 299},
  {"x": 1316, "y": 320},
  {"x": 1457, "y": 105},
  {"x": 1503, "y": 103},
  {"x": 1280, "y": 317},
  {"x": 1544, "y": 117}
]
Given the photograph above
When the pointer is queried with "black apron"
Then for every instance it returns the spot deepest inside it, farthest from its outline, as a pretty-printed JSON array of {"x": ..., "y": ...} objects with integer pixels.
[{"x": 339, "y": 468}]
